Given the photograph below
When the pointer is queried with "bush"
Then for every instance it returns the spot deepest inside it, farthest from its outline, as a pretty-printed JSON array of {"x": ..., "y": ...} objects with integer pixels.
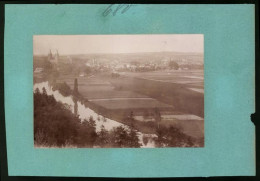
[
  {"x": 63, "y": 88},
  {"x": 173, "y": 137},
  {"x": 121, "y": 137}
]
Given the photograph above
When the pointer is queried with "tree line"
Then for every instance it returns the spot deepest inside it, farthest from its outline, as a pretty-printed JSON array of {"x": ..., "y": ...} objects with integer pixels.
[{"x": 56, "y": 126}]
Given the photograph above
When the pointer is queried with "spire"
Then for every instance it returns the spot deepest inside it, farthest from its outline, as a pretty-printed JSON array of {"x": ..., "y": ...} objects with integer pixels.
[
  {"x": 57, "y": 53},
  {"x": 50, "y": 54}
]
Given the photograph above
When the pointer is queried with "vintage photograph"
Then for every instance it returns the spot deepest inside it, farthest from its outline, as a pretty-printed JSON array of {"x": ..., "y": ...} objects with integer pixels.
[{"x": 118, "y": 91}]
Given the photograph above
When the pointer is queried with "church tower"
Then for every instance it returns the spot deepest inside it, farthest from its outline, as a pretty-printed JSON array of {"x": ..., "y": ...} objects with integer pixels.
[
  {"x": 50, "y": 55},
  {"x": 57, "y": 54}
]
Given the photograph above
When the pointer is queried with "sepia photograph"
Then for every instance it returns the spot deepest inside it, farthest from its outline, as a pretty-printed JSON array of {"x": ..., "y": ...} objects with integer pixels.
[{"x": 118, "y": 91}]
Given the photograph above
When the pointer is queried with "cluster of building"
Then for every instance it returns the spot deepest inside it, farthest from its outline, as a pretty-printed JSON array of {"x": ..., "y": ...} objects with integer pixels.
[{"x": 118, "y": 65}]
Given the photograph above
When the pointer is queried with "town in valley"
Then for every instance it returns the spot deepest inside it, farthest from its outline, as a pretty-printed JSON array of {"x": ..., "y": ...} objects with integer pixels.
[{"x": 117, "y": 100}]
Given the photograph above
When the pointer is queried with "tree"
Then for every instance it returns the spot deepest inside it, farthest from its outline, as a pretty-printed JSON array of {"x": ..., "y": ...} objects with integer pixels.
[
  {"x": 173, "y": 137},
  {"x": 63, "y": 88},
  {"x": 119, "y": 137},
  {"x": 37, "y": 91},
  {"x": 131, "y": 119},
  {"x": 53, "y": 124},
  {"x": 122, "y": 137},
  {"x": 133, "y": 139},
  {"x": 87, "y": 133},
  {"x": 157, "y": 117},
  {"x": 160, "y": 133},
  {"x": 92, "y": 122},
  {"x": 75, "y": 90},
  {"x": 87, "y": 70},
  {"x": 47, "y": 66},
  {"x": 146, "y": 114},
  {"x": 103, "y": 137},
  {"x": 173, "y": 65},
  {"x": 44, "y": 92},
  {"x": 75, "y": 107}
]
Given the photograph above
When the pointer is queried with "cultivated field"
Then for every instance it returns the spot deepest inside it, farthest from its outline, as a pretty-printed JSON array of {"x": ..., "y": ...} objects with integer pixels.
[
  {"x": 130, "y": 103},
  {"x": 99, "y": 87},
  {"x": 184, "y": 97},
  {"x": 192, "y": 79},
  {"x": 179, "y": 95}
]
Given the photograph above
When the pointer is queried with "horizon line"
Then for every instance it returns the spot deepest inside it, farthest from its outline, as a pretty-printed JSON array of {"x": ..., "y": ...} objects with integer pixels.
[{"x": 118, "y": 53}]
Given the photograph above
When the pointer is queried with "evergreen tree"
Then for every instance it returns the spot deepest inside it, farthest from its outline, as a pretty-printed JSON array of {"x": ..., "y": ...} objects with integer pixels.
[
  {"x": 75, "y": 107},
  {"x": 75, "y": 91},
  {"x": 37, "y": 91},
  {"x": 53, "y": 125},
  {"x": 157, "y": 117},
  {"x": 87, "y": 133},
  {"x": 44, "y": 92},
  {"x": 131, "y": 119},
  {"x": 119, "y": 137},
  {"x": 103, "y": 137},
  {"x": 173, "y": 137},
  {"x": 133, "y": 139},
  {"x": 92, "y": 123}
]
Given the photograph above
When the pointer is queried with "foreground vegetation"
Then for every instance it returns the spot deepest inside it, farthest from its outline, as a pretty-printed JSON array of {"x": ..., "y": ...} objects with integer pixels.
[{"x": 56, "y": 126}]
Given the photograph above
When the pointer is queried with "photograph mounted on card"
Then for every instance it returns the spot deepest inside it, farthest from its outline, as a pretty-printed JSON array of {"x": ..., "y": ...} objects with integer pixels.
[
  {"x": 118, "y": 91},
  {"x": 101, "y": 90}
]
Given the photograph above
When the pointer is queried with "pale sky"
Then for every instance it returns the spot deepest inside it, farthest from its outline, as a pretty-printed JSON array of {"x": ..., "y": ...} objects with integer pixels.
[{"x": 87, "y": 44}]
